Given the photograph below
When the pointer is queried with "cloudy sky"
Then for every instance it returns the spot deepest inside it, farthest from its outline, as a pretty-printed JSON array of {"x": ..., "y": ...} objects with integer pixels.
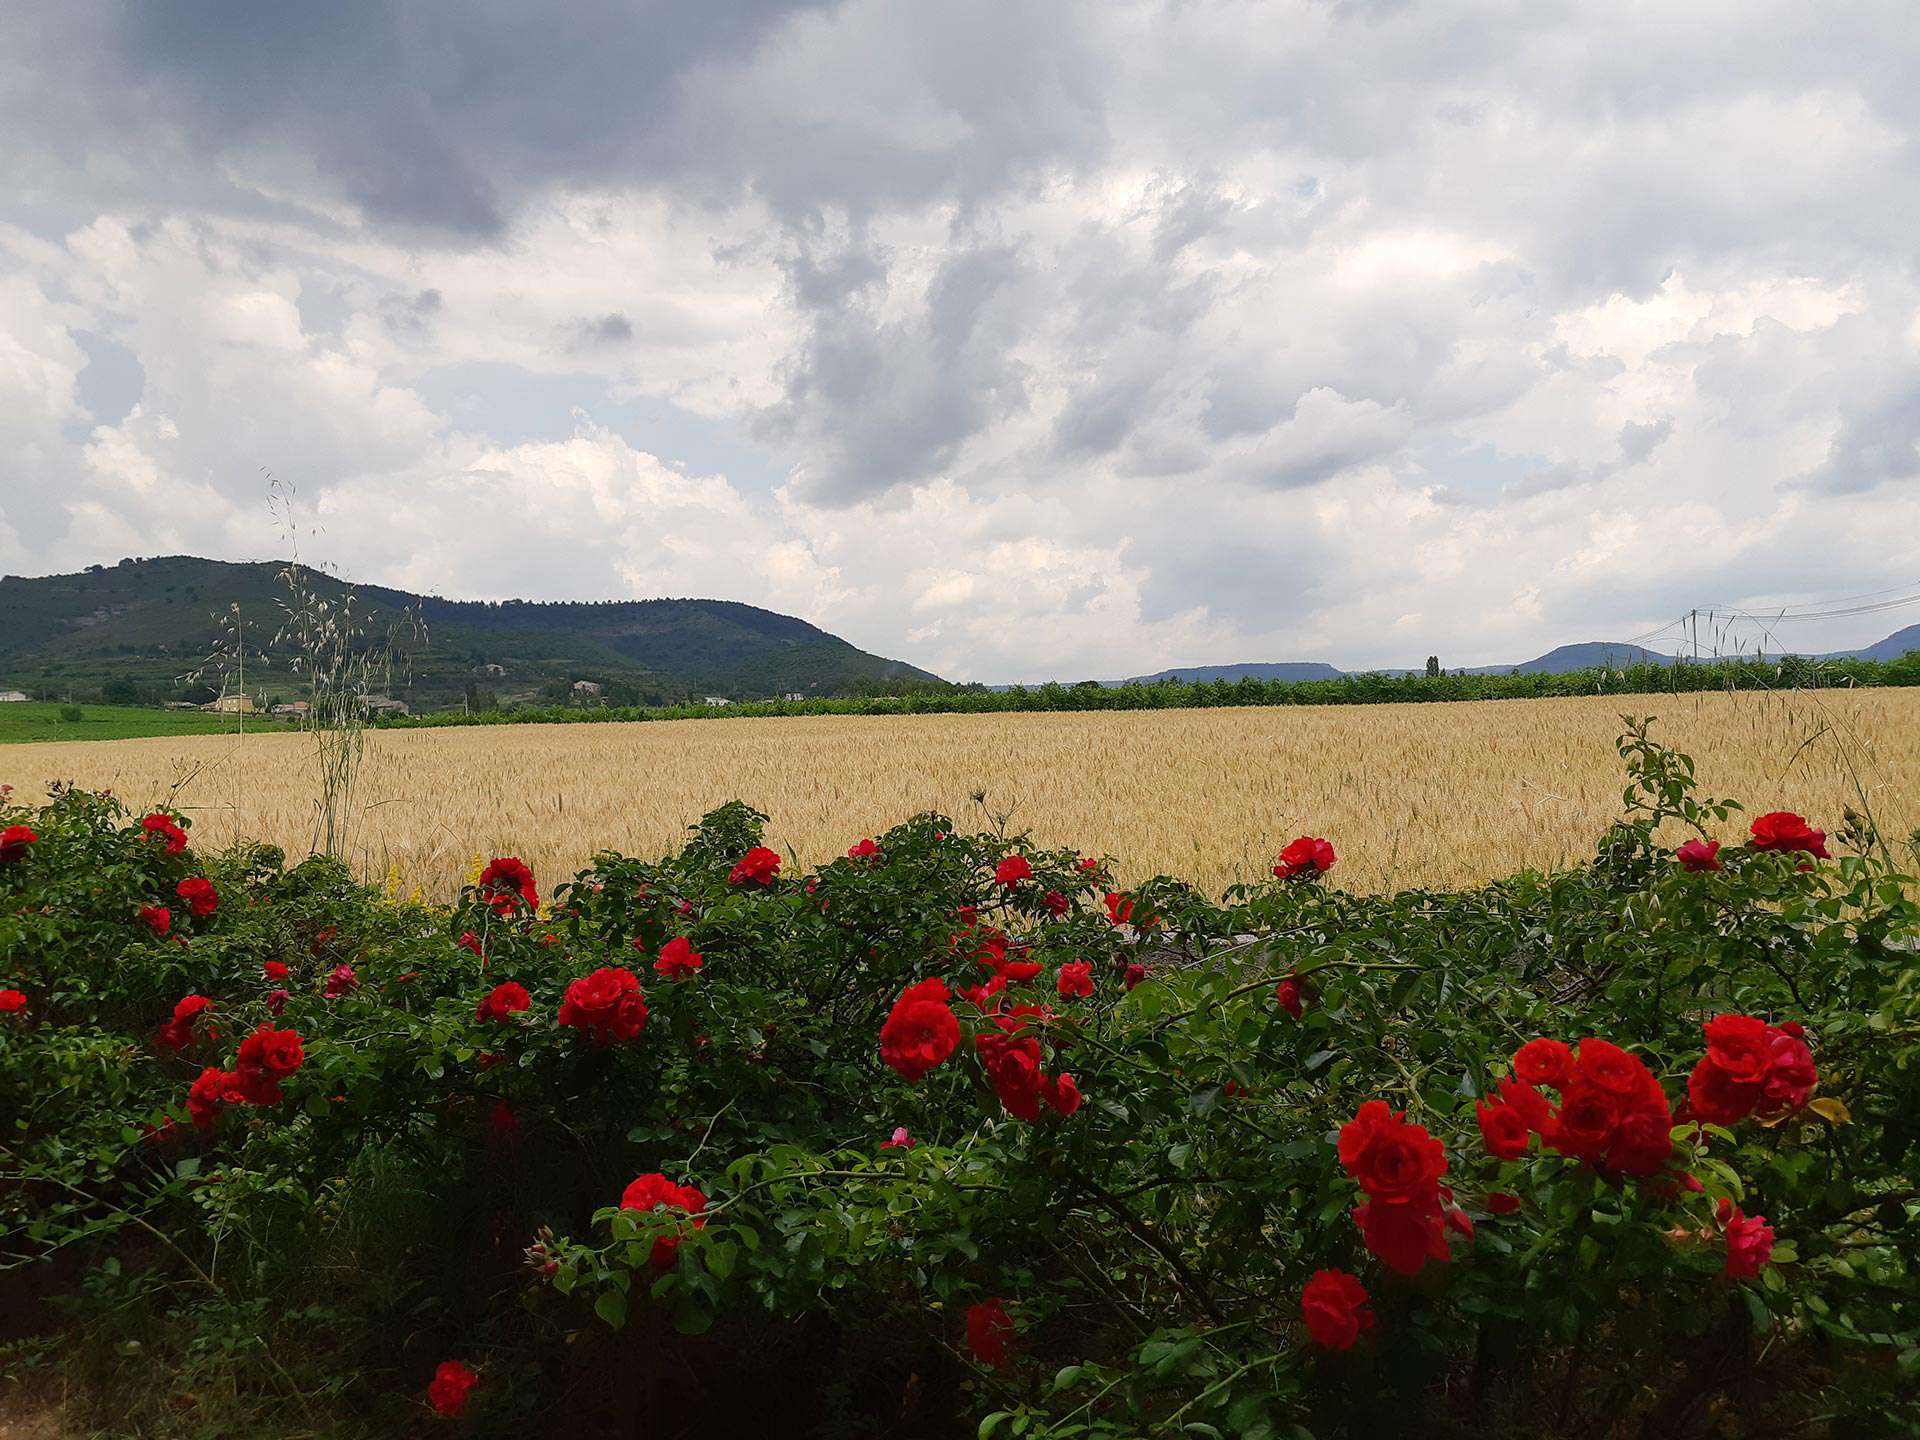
[{"x": 1017, "y": 340}]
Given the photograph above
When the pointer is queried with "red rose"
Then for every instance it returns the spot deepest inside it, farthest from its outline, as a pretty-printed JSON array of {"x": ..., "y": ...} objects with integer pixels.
[
  {"x": 1532, "y": 1105},
  {"x": 1501, "y": 1203},
  {"x": 470, "y": 941},
  {"x": 901, "y": 1140},
  {"x": 1739, "y": 1045},
  {"x": 759, "y": 866},
  {"x": 607, "y": 1004},
  {"x": 267, "y": 1056},
  {"x": 1391, "y": 1159},
  {"x": 1119, "y": 908},
  {"x": 864, "y": 850},
  {"x": 1076, "y": 978},
  {"x": 200, "y": 896},
  {"x": 1543, "y": 1062},
  {"x": 1403, "y": 1237},
  {"x": 1012, "y": 870},
  {"x": 1611, "y": 1068},
  {"x": 452, "y": 1383},
  {"x": 1288, "y": 992},
  {"x": 1641, "y": 1141},
  {"x": 1698, "y": 855},
  {"x": 1334, "y": 1305},
  {"x": 213, "y": 1089},
  {"x": 502, "y": 1003},
  {"x": 1062, "y": 1093},
  {"x": 506, "y": 885},
  {"x": 989, "y": 1332},
  {"x": 1504, "y": 1129},
  {"x": 1133, "y": 976},
  {"x": 1784, "y": 830},
  {"x": 1584, "y": 1123},
  {"x": 655, "y": 1193},
  {"x": 156, "y": 918},
  {"x": 1057, "y": 904},
  {"x": 273, "y": 969},
  {"x": 920, "y": 1031},
  {"x": 277, "y": 1001},
  {"x": 1749, "y": 1244},
  {"x": 14, "y": 841},
  {"x": 161, "y": 827},
  {"x": 1716, "y": 1098},
  {"x": 678, "y": 960},
  {"x": 12, "y": 1001},
  {"x": 177, "y": 1033},
  {"x": 1012, "y": 1063},
  {"x": 1791, "y": 1076},
  {"x": 341, "y": 980},
  {"x": 1307, "y": 856}
]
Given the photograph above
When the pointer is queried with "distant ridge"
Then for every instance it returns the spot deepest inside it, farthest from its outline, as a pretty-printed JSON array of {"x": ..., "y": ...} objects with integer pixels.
[
  {"x": 1587, "y": 655},
  {"x": 1561, "y": 660},
  {"x": 1284, "y": 670},
  {"x": 146, "y": 623}
]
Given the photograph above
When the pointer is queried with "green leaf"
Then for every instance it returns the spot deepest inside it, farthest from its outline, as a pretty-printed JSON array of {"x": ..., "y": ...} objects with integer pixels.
[
  {"x": 992, "y": 1423},
  {"x": 612, "y": 1308}
]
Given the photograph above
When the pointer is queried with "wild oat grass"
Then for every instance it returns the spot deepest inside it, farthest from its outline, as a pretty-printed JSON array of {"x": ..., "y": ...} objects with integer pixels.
[{"x": 1443, "y": 794}]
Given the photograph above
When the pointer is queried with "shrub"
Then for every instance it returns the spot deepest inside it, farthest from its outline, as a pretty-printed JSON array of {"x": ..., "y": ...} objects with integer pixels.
[{"x": 1621, "y": 1149}]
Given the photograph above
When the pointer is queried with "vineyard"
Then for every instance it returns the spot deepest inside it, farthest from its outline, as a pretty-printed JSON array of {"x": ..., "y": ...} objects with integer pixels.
[{"x": 960, "y": 1134}]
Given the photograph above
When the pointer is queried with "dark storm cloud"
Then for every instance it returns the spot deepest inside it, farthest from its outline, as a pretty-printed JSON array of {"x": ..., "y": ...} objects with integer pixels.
[
  {"x": 610, "y": 329},
  {"x": 411, "y": 314},
  {"x": 1876, "y": 446},
  {"x": 439, "y": 114},
  {"x": 879, "y": 402}
]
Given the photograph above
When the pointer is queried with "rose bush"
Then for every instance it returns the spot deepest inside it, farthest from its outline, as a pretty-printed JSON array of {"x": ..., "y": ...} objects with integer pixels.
[{"x": 1622, "y": 1149}]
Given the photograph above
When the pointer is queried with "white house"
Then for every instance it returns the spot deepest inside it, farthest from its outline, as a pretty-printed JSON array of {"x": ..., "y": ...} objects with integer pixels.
[
  {"x": 794, "y": 695},
  {"x": 587, "y": 687},
  {"x": 718, "y": 700},
  {"x": 8, "y": 696}
]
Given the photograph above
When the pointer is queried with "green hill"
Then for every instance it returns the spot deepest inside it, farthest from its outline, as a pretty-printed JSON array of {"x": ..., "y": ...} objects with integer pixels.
[{"x": 145, "y": 629}]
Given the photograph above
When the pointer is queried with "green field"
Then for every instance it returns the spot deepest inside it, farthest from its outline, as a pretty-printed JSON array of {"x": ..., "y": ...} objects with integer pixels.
[{"x": 37, "y": 720}]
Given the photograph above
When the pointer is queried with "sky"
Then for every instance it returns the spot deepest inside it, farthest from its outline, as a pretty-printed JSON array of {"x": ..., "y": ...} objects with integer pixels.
[{"x": 1017, "y": 341}]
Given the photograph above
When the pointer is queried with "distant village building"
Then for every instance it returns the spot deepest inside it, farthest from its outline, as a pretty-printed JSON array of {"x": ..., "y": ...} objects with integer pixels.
[
  {"x": 494, "y": 670},
  {"x": 386, "y": 705},
  {"x": 587, "y": 687},
  {"x": 12, "y": 696},
  {"x": 232, "y": 705},
  {"x": 718, "y": 700},
  {"x": 290, "y": 709},
  {"x": 794, "y": 695}
]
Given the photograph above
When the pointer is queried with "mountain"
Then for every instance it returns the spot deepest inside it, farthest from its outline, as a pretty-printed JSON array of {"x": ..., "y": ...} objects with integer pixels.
[
  {"x": 1284, "y": 670},
  {"x": 148, "y": 623},
  {"x": 1588, "y": 655},
  {"x": 1562, "y": 659},
  {"x": 1892, "y": 648}
]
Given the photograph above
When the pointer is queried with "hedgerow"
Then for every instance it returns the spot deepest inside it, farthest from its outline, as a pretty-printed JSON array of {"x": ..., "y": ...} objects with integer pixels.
[
  {"x": 1789, "y": 673},
  {"x": 951, "y": 1136}
]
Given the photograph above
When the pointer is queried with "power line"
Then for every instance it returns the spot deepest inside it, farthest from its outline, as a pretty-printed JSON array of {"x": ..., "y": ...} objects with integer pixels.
[{"x": 1685, "y": 629}]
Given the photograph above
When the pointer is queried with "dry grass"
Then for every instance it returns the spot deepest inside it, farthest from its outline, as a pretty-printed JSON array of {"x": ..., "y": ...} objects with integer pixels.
[{"x": 1410, "y": 794}]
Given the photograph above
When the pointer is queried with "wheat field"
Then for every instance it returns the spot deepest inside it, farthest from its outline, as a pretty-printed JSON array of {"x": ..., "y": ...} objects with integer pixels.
[{"x": 1443, "y": 794}]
